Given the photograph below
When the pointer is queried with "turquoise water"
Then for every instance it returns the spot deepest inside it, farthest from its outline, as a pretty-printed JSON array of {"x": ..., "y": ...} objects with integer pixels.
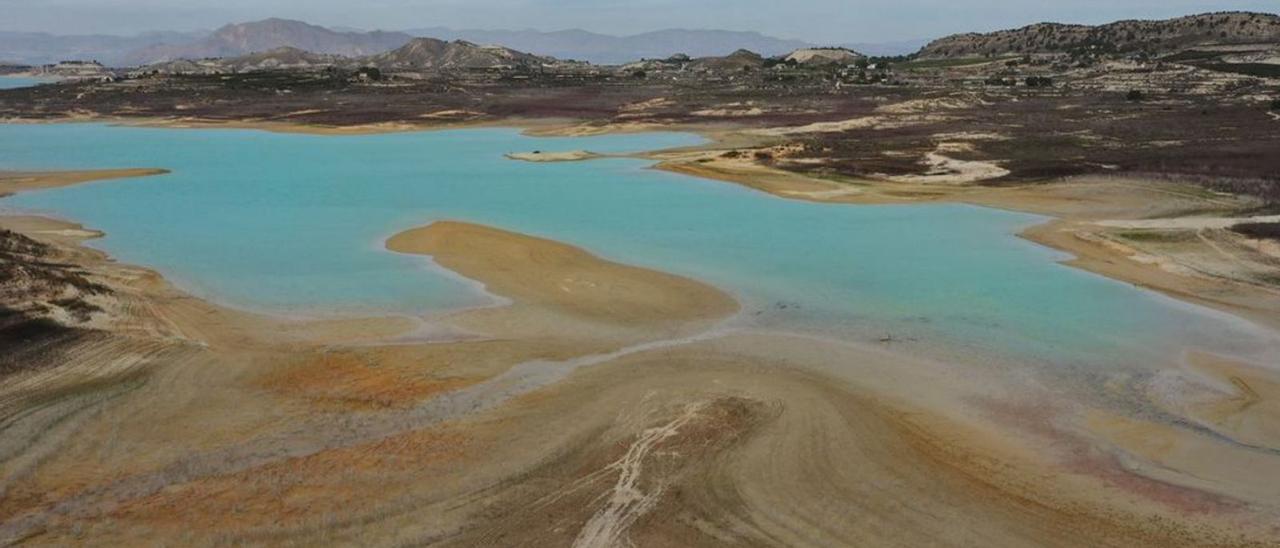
[
  {"x": 11, "y": 82},
  {"x": 295, "y": 223}
]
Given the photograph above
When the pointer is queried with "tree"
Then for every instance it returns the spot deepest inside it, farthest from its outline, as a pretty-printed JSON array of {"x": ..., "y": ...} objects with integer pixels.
[
  {"x": 1135, "y": 95},
  {"x": 1275, "y": 105}
]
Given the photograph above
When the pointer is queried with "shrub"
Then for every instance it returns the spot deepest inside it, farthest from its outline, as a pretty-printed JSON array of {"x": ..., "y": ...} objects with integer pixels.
[
  {"x": 1258, "y": 231},
  {"x": 1135, "y": 95},
  {"x": 1275, "y": 105}
]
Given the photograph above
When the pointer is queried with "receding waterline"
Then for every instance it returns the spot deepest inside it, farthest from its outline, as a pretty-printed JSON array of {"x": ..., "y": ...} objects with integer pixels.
[{"x": 295, "y": 223}]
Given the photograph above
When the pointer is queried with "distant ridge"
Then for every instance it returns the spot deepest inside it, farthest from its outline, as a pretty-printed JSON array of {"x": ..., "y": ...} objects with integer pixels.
[
  {"x": 39, "y": 48},
  {"x": 241, "y": 39},
  {"x": 269, "y": 34},
  {"x": 419, "y": 54},
  {"x": 606, "y": 49},
  {"x": 1162, "y": 36}
]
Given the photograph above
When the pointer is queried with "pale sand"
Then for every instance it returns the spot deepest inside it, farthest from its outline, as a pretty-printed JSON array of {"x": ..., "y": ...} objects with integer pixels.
[
  {"x": 786, "y": 184},
  {"x": 946, "y": 170},
  {"x": 555, "y": 278},
  {"x": 569, "y": 156},
  {"x": 1188, "y": 223}
]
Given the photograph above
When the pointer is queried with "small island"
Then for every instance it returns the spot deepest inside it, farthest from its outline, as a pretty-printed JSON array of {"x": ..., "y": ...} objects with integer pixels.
[{"x": 567, "y": 156}]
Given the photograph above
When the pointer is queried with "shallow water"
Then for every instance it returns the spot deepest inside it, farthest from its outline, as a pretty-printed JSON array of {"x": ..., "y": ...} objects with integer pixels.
[
  {"x": 295, "y": 223},
  {"x": 12, "y": 82}
]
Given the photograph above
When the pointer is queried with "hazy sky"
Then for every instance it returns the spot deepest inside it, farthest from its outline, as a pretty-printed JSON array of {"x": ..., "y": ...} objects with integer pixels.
[{"x": 834, "y": 21}]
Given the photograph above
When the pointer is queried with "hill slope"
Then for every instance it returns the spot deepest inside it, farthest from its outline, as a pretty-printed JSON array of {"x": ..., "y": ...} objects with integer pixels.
[
  {"x": 430, "y": 53},
  {"x": 1123, "y": 36},
  {"x": 285, "y": 58}
]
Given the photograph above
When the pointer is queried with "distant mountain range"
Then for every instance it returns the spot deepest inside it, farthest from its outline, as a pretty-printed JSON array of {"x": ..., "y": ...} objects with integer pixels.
[
  {"x": 417, "y": 55},
  {"x": 605, "y": 49},
  {"x": 38, "y": 48},
  {"x": 243, "y": 39},
  {"x": 246, "y": 38},
  {"x": 260, "y": 36},
  {"x": 1210, "y": 29}
]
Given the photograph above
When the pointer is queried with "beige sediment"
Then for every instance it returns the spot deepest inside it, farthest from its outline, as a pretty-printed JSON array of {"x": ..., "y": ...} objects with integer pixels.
[
  {"x": 227, "y": 379},
  {"x": 760, "y": 438},
  {"x": 546, "y": 278},
  {"x": 12, "y": 182}
]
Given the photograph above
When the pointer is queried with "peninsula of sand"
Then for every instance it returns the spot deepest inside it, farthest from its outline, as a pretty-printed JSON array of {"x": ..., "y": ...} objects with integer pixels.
[{"x": 603, "y": 404}]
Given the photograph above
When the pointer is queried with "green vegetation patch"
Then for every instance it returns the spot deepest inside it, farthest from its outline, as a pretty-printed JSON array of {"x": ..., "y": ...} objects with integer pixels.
[{"x": 1157, "y": 236}]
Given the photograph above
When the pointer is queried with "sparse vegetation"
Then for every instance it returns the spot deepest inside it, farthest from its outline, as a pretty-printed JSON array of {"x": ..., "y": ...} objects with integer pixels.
[
  {"x": 1267, "y": 231},
  {"x": 33, "y": 281},
  {"x": 1039, "y": 82}
]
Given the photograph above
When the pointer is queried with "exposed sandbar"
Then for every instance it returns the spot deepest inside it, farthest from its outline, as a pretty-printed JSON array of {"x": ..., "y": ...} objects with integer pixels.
[
  {"x": 569, "y": 156},
  {"x": 567, "y": 280},
  {"x": 12, "y": 182}
]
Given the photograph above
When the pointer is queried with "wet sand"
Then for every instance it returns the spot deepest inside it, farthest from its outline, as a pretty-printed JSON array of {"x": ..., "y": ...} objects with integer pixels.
[{"x": 601, "y": 405}]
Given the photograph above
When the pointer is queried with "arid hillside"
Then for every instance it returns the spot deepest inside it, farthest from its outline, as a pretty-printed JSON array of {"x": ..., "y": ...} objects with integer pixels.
[{"x": 1211, "y": 29}]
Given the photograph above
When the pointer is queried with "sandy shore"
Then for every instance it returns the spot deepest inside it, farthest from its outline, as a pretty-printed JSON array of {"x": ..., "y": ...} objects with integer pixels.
[
  {"x": 1092, "y": 215},
  {"x": 602, "y": 405},
  {"x": 12, "y": 182},
  {"x": 243, "y": 431}
]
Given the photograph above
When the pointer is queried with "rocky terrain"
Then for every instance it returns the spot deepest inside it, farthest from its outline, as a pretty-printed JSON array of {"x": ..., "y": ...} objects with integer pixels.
[
  {"x": 284, "y": 58},
  {"x": 429, "y": 53},
  {"x": 1152, "y": 37}
]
